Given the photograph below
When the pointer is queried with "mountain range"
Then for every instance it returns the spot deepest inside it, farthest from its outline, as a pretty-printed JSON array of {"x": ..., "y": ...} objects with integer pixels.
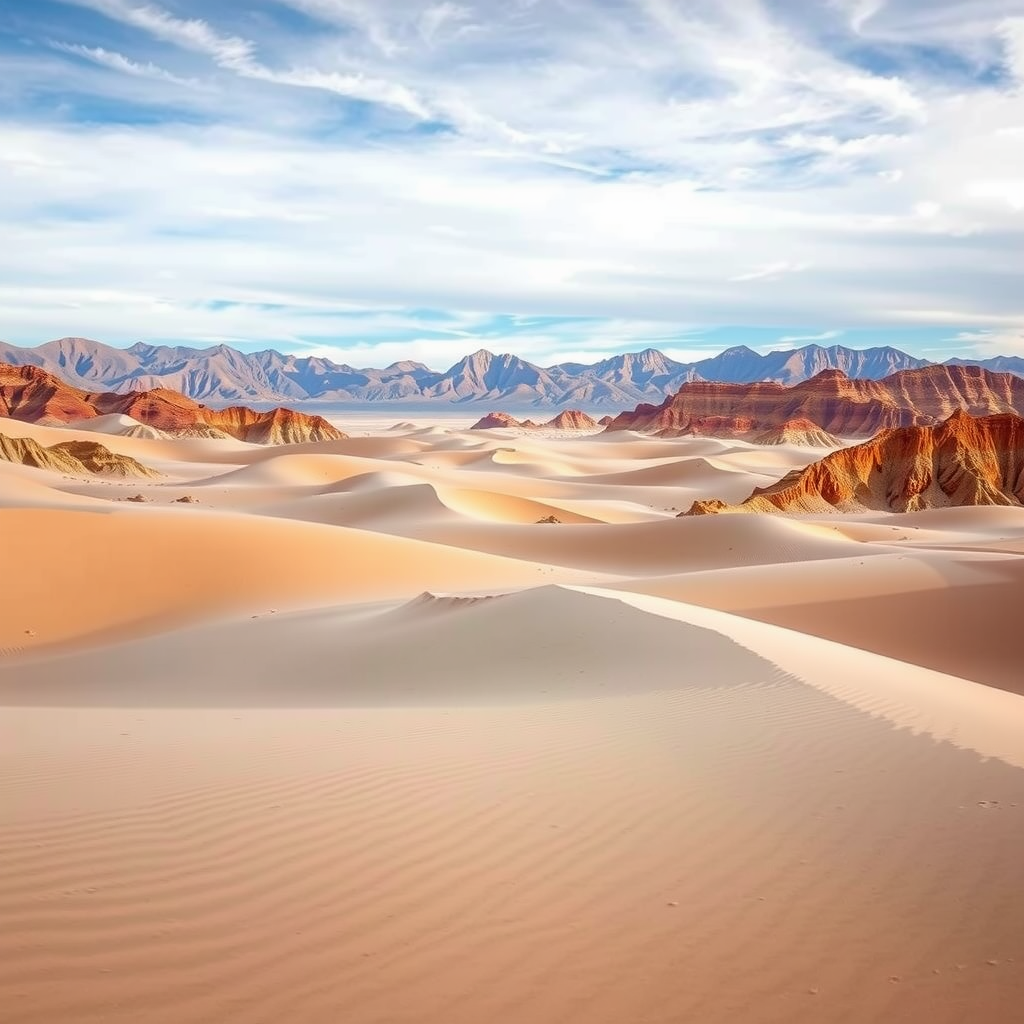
[{"x": 222, "y": 374}]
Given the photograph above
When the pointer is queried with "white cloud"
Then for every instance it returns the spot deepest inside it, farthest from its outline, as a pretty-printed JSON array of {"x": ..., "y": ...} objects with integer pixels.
[
  {"x": 190, "y": 33},
  {"x": 985, "y": 344},
  {"x": 436, "y": 17},
  {"x": 770, "y": 271},
  {"x": 657, "y": 161},
  {"x": 238, "y": 55},
  {"x": 805, "y": 339},
  {"x": 1013, "y": 39},
  {"x": 118, "y": 62}
]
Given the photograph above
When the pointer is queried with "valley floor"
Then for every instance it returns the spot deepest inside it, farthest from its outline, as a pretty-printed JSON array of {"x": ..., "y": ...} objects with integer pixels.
[{"x": 356, "y": 736}]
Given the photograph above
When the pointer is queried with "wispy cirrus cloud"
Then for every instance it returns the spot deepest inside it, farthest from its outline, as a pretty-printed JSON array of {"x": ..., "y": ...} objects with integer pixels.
[{"x": 119, "y": 62}]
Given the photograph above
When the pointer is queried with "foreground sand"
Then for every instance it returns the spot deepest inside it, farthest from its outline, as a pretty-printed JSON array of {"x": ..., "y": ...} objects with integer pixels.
[{"x": 625, "y": 768}]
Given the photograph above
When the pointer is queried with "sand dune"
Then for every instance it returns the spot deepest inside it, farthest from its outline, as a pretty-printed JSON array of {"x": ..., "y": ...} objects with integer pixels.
[
  {"x": 161, "y": 567},
  {"x": 355, "y": 738}
]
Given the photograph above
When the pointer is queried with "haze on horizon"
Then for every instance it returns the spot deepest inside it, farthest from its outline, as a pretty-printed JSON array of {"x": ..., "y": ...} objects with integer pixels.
[{"x": 564, "y": 180}]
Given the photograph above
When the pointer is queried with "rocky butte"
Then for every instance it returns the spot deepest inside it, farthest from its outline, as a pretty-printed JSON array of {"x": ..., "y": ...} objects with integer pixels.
[
  {"x": 32, "y": 395},
  {"x": 962, "y": 461}
]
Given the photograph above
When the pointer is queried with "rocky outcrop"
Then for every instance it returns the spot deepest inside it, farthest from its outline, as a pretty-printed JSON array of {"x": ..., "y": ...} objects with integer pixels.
[
  {"x": 32, "y": 395},
  {"x": 831, "y": 401},
  {"x": 962, "y": 461},
  {"x": 76, "y": 458},
  {"x": 501, "y": 420},
  {"x": 801, "y": 432},
  {"x": 568, "y": 419},
  {"x": 571, "y": 419}
]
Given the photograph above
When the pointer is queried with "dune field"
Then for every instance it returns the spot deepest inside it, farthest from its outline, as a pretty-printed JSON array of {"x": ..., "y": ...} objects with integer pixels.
[{"x": 437, "y": 725}]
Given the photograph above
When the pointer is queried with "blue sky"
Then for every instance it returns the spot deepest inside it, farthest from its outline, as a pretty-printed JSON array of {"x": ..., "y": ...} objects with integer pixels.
[{"x": 382, "y": 179}]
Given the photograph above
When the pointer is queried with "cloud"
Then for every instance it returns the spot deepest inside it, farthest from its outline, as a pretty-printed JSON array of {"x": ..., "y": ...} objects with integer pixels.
[
  {"x": 190, "y": 33},
  {"x": 118, "y": 62},
  {"x": 438, "y": 16},
  {"x": 770, "y": 271},
  {"x": 236, "y": 54},
  {"x": 803, "y": 339},
  {"x": 985, "y": 344},
  {"x": 1012, "y": 31},
  {"x": 754, "y": 163}
]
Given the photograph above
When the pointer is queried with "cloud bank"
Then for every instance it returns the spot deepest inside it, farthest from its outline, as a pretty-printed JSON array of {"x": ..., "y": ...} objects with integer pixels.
[{"x": 567, "y": 178}]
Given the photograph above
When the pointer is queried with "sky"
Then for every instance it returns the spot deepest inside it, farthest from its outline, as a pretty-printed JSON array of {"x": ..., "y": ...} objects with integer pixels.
[{"x": 382, "y": 179}]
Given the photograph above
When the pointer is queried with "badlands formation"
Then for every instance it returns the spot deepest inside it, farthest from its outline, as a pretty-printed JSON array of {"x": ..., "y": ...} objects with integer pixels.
[
  {"x": 434, "y": 724},
  {"x": 964, "y": 461},
  {"x": 840, "y": 405},
  {"x": 30, "y": 394}
]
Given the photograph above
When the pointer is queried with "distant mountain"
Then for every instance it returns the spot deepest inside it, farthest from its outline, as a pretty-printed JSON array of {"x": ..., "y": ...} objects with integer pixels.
[
  {"x": 741, "y": 365},
  {"x": 222, "y": 374},
  {"x": 997, "y": 364}
]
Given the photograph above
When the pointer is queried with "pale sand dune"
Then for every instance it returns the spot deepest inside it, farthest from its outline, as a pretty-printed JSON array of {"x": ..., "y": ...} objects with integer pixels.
[
  {"x": 248, "y": 773},
  {"x": 665, "y": 546},
  {"x": 954, "y": 612},
  {"x": 119, "y": 424},
  {"x": 89, "y": 576},
  {"x": 25, "y": 487},
  {"x": 737, "y": 847}
]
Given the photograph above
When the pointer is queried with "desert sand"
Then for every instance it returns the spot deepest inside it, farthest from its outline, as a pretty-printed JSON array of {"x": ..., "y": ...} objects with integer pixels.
[{"x": 360, "y": 734}]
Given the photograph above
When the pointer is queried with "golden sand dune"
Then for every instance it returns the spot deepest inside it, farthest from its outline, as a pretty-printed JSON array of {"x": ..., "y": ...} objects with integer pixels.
[{"x": 356, "y": 736}]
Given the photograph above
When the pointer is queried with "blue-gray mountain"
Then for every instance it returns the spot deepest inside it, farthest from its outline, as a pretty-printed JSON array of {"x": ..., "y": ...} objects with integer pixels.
[{"x": 223, "y": 374}]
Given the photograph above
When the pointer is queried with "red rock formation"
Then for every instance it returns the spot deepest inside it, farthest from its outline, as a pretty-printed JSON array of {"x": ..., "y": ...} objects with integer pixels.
[
  {"x": 495, "y": 420},
  {"x": 962, "y": 461},
  {"x": 571, "y": 419},
  {"x": 831, "y": 401},
  {"x": 568, "y": 419},
  {"x": 799, "y": 432},
  {"x": 34, "y": 396}
]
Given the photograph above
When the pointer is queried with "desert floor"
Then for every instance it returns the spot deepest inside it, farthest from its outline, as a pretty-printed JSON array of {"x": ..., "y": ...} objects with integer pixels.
[{"x": 354, "y": 738}]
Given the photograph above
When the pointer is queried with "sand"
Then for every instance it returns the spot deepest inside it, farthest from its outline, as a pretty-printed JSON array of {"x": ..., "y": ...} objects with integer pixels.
[{"x": 354, "y": 738}]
